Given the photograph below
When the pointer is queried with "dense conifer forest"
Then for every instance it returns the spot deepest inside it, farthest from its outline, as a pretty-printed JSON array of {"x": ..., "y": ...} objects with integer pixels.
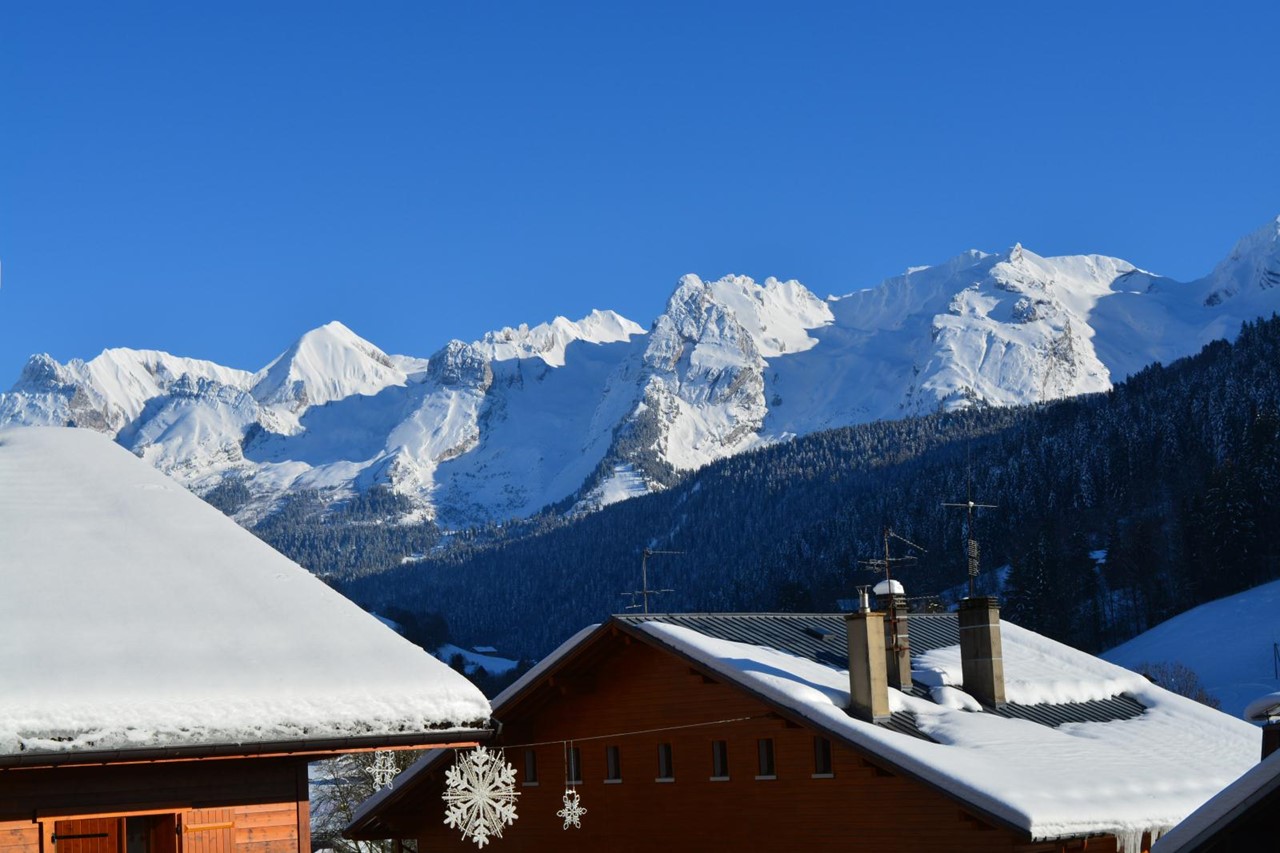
[{"x": 1175, "y": 474}]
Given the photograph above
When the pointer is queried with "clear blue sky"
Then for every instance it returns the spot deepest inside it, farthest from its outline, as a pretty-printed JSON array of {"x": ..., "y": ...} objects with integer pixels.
[{"x": 214, "y": 179}]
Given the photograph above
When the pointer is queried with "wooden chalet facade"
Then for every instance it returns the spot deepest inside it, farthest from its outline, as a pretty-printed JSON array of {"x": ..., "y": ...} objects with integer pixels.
[
  {"x": 668, "y": 753},
  {"x": 211, "y": 806},
  {"x": 165, "y": 676},
  {"x": 228, "y": 800}
]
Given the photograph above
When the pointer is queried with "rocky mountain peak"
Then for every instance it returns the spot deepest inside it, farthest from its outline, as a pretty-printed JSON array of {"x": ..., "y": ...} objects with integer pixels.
[{"x": 532, "y": 416}]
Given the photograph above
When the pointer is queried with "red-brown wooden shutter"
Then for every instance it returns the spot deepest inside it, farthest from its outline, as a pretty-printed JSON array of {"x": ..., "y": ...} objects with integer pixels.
[{"x": 94, "y": 835}]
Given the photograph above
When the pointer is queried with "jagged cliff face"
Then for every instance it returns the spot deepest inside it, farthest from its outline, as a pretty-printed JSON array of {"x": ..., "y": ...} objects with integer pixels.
[{"x": 597, "y": 410}]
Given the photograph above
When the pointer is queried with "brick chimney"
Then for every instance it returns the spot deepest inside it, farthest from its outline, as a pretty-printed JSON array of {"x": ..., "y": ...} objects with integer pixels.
[
  {"x": 868, "y": 688},
  {"x": 892, "y": 599},
  {"x": 981, "y": 659}
]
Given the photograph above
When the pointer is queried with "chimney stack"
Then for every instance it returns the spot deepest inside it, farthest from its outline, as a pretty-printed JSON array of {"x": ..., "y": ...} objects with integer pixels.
[
  {"x": 891, "y": 597},
  {"x": 1270, "y": 737},
  {"x": 1266, "y": 711},
  {"x": 868, "y": 689},
  {"x": 981, "y": 660}
]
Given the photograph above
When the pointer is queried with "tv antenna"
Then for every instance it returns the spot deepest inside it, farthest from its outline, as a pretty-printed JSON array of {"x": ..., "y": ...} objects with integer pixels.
[
  {"x": 887, "y": 563},
  {"x": 644, "y": 592},
  {"x": 971, "y": 546},
  {"x": 897, "y": 642}
]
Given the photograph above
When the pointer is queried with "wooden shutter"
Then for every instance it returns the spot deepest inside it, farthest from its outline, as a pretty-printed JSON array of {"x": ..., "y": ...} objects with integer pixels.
[
  {"x": 208, "y": 831},
  {"x": 92, "y": 835}
]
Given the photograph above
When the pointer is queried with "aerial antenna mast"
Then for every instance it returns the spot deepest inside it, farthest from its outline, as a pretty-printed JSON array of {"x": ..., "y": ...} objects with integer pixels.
[
  {"x": 971, "y": 545},
  {"x": 887, "y": 563},
  {"x": 897, "y": 642},
  {"x": 644, "y": 592}
]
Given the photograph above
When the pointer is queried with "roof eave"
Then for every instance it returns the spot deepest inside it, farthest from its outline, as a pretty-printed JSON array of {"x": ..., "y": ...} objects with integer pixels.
[{"x": 309, "y": 748}]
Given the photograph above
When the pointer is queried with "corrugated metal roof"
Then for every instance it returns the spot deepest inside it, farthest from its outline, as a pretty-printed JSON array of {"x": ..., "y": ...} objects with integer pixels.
[{"x": 821, "y": 637}]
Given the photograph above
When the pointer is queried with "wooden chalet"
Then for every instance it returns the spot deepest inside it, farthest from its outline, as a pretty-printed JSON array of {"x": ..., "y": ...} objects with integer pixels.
[
  {"x": 165, "y": 677},
  {"x": 771, "y": 732}
]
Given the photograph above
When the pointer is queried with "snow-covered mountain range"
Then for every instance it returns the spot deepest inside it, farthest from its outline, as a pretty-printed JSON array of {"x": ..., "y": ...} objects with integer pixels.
[{"x": 586, "y": 413}]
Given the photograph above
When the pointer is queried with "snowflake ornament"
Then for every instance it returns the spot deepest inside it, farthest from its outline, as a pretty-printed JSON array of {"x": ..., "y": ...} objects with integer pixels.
[
  {"x": 383, "y": 770},
  {"x": 480, "y": 795},
  {"x": 573, "y": 810}
]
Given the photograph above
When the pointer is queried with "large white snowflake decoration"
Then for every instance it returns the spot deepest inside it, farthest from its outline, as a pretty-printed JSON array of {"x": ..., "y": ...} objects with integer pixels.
[
  {"x": 480, "y": 795},
  {"x": 383, "y": 769},
  {"x": 573, "y": 810}
]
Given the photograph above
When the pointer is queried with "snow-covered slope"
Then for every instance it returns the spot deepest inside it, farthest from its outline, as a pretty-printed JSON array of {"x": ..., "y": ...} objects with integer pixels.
[
  {"x": 597, "y": 410},
  {"x": 1237, "y": 665}
]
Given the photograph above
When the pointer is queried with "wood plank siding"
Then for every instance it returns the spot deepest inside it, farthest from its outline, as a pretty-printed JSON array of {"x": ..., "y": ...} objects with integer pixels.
[
  {"x": 616, "y": 696},
  {"x": 19, "y": 837}
]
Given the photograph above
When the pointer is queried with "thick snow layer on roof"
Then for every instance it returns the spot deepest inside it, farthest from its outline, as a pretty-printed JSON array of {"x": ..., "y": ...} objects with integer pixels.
[
  {"x": 1232, "y": 800},
  {"x": 1123, "y": 778},
  {"x": 132, "y": 614}
]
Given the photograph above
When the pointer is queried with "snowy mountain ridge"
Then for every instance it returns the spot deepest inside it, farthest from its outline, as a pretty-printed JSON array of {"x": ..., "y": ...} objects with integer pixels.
[{"x": 597, "y": 410}]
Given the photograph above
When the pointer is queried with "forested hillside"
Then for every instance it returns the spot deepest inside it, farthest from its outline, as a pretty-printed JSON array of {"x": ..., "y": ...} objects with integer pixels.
[{"x": 1174, "y": 473}]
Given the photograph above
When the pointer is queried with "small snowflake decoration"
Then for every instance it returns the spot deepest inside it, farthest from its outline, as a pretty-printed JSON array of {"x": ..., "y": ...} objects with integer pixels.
[
  {"x": 573, "y": 810},
  {"x": 480, "y": 795},
  {"x": 383, "y": 770}
]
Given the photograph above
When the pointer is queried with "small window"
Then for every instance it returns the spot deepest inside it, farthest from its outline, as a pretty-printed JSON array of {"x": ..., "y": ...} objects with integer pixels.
[
  {"x": 666, "y": 770},
  {"x": 612, "y": 764},
  {"x": 530, "y": 767},
  {"x": 765, "y": 749},
  {"x": 821, "y": 757},
  {"x": 575, "y": 764},
  {"x": 719, "y": 759}
]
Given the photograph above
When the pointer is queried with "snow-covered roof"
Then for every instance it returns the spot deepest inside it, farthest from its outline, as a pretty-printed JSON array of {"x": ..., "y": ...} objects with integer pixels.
[
  {"x": 134, "y": 615},
  {"x": 1084, "y": 747},
  {"x": 1122, "y": 777},
  {"x": 1229, "y": 804}
]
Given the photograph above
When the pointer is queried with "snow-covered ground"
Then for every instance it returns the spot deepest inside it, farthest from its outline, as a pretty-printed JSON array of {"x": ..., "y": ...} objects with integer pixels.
[
  {"x": 1229, "y": 643},
  {"x": 475, "y": 660}
]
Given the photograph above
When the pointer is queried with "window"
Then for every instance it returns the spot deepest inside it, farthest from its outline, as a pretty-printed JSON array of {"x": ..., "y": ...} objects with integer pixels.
[
  {"x": 530, "y": 767},
  {"x": 666, "y": 772},
  {"x": 765, "y": 751},
  {"x": 821, "y": 757},
  {"x": 574, "y": 771},
  {"x": 719, "y": 759},
  {"x": 612, "y": 764}
]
